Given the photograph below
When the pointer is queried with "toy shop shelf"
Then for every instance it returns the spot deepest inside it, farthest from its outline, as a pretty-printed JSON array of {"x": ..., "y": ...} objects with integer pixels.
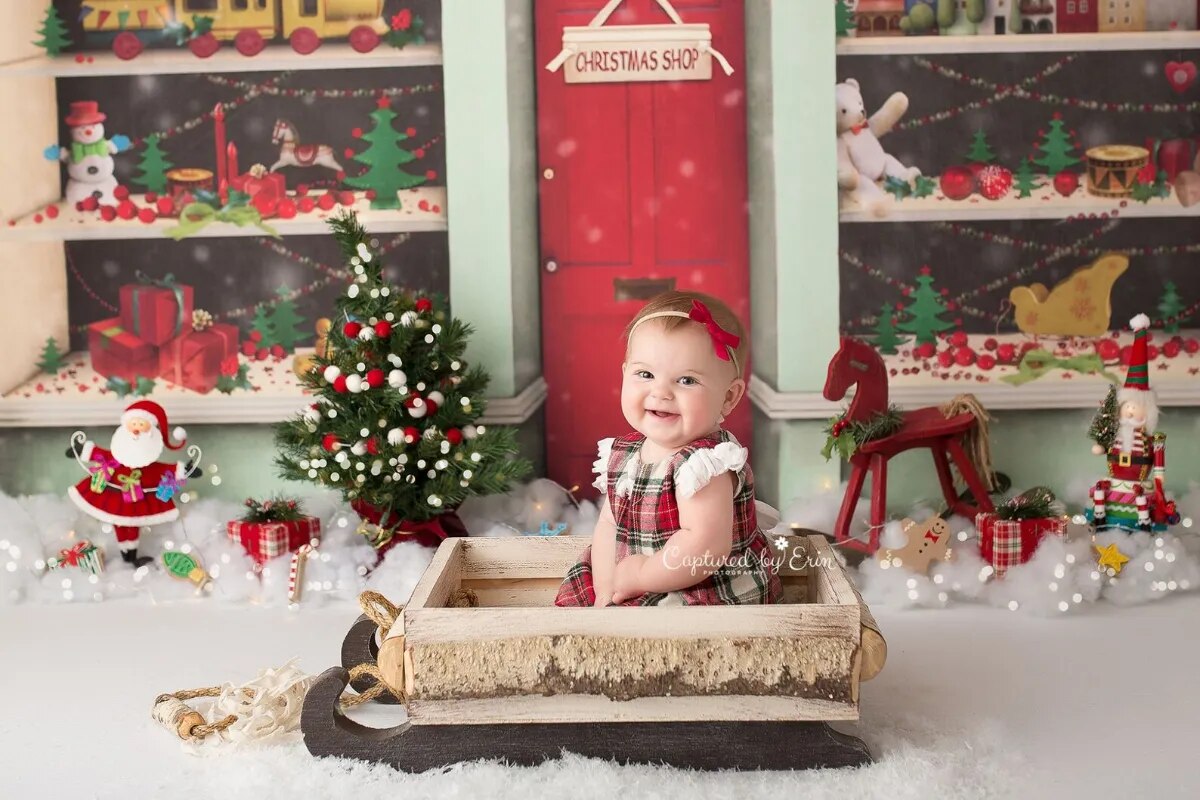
[
  {"x": 72, "y": 225},
  {"x": 1044, "y": 204},
  {"x": 227, "y": 59},
  {"x": 1025, "y": 43}
]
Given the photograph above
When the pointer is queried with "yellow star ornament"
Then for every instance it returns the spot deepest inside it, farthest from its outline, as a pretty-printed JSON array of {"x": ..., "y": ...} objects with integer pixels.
[{"x": 1111, "y": 557}]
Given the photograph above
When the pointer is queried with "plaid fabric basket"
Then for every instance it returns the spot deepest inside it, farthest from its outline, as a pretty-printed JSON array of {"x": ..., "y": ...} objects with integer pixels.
[
  {"x": 1004, "y": 543},
  {"x": 267, "y": 540}
]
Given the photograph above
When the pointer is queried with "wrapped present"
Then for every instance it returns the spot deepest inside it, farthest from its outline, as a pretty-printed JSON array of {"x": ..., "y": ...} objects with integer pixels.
[
  {"x": 194, "y": 359},
  {"x": 257, "y": 181},
  {"x": 1004, "y": 543},
  {"x": 1173, "y": 156},
  {"x": 156, "y": 310},
  {"x": 117, "y": 353},
  {"x": 267, "y": 540},
  {"x": 83, "y": 554}
]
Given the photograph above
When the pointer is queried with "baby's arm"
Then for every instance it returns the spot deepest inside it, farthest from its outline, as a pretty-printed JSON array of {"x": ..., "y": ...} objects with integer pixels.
[
  {"x": 604, "y": 554},
  {"x": 695, "y": 551}
]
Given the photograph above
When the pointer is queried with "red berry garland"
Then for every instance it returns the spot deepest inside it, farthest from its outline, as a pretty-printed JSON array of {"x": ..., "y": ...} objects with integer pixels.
[
  {"x": 383, "y": 329},
  {"x": 423, "y": 305},
  {"x": 351, "y": 329}
]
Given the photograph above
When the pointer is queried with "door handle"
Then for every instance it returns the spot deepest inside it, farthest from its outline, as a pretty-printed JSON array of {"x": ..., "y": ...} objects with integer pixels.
[{"x": 625, "y": 289}]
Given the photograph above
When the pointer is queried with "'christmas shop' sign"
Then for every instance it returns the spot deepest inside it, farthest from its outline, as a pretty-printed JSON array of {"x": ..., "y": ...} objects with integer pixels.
[{"x": 625, "y": 53}]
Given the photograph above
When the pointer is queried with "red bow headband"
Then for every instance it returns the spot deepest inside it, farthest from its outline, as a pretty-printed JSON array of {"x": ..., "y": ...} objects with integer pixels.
[{"x": 724, "y": 343}]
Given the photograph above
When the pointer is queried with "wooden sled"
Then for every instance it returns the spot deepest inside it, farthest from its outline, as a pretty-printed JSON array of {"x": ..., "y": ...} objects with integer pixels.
[{"x": 709, "y": 687}]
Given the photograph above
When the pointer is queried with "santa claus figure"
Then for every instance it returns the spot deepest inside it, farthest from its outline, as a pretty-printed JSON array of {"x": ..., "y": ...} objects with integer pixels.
[
  {"x": 127, "y": 487},
  {"x": 1132, "y": 497}
]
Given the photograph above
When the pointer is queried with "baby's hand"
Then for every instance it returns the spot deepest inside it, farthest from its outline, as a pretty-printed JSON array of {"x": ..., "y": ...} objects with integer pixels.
[{"x": 627, "y": 579}]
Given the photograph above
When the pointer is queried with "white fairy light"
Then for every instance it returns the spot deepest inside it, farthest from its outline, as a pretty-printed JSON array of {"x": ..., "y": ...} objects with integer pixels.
[
  {"x": 913, "y": 594},
  {"x": 1149, "y": 566},
  {"x": 436, "y": 328},
  {"x": 1077, "y": 598},
  {"x": 384, "y": 292},
  {"x": 1013, "y": 605},
  {"x": 1064, "y": 606},
  {"x": 476, "y": 457},
  {"x": 1053, "y": 586},
  {"x": 1070, "y": 559},
  {"x": 353, "y": 290},
  {"x": 429, "y": 338},
  {"x": 1059, "y": 571},
  {"x": 939, "y": 578},
  {"x": 333, "y": 476}
]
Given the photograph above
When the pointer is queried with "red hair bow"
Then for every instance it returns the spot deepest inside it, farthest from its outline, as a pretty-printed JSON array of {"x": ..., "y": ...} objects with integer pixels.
[{"x": 721, "y": 338}]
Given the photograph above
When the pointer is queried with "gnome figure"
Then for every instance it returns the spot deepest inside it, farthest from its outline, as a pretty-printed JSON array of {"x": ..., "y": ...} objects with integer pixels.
[
  {"x": 1132, "y": 496},
  {"x": 89, "y": 156},
  {"x": 127, "y": 486}
]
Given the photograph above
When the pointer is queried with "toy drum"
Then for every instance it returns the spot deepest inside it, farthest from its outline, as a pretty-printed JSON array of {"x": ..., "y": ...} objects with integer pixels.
[
  {"x": 1113, "y": 168},
  {"x": 183, "y": 184}
]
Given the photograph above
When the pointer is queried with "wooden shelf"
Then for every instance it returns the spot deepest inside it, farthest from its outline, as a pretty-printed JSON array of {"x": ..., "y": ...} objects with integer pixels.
[
  {"x": 1017, "y": 43},
  {"x": 1045, "y": 203},
  {"x": 72, "y": 225},
  {"x": 51, "y": 401},
  {"x": 227, "y": 59}
]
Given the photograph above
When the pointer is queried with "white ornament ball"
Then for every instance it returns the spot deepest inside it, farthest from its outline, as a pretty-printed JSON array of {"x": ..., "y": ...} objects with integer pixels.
[
  {"x": 331, "y": 373},
  {"x": 437, "y": 397},
  {"x": 366, "y": 334},
  {"x": 395, "y": 437},
  {"x": 395, "y": 359},
  {"x": 418, "y": 409},
  {"x": 355, "y": 383},
  {"x": 397, "y": 378},
  {"x": 352, "y": 291},
  {"x": 359, "y": 448},
  {"x": 312, "y": 414},
  {"x": 408, "y": 318},
  {"x": 179, "y": 434},
  {"x": 469, "y": 432}
]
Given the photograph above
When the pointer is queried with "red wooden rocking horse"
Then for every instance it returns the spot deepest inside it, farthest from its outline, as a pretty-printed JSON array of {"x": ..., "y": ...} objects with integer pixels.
[{"x": 857, "y": 364}]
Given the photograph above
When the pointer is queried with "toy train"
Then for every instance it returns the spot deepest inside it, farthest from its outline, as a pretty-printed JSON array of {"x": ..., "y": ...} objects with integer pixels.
[{"x": 248, "y": 23}]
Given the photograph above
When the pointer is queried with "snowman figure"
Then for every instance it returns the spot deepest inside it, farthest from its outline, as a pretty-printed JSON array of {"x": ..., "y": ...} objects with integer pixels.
[{"x": 89, "y": 155}]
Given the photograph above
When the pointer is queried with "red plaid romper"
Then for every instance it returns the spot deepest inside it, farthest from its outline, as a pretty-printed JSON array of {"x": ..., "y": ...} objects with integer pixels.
[{"x": 643, "y": 501}]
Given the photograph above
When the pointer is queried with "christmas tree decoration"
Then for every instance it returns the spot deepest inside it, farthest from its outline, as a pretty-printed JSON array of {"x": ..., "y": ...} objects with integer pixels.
[
  {"x": 1024, "y": 180},
  {"x": 1057, "y": 148},
  {"x": 405, "y": 28},
  {"x": 843, "y": 18},
  {"x": 925, "y": 321},
  {"x": 153, "y": 167},
  {"x": 384, "y": 159},
  {"x": 980, "y": 152},
  {"x": 187, "y": 567},
  {"x": 278, "y": 323},
  {"x": 1103, "y": 430},
  {"x": 927, "y": 542},
  {"x": 886, "y": 339},
  {"x": 957, "y": 183},
  {"x": 416, "y": 481},
  {"x": 1170, "y": 307},
  {"x": 994, "y": 182},
  {"x": 1112, "y": 169},
  {"x": 52, "y": 359},
  {"x": 53, "y": 32},
  {"x": 1079, "y": 305},
  {"x": 1110, "y": 558}
]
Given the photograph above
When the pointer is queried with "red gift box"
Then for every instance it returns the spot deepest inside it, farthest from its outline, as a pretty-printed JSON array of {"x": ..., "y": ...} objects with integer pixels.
[
  {"x": 194, "y": 359},
  {"x": 1004, "y": 543},
  {"x": 117, "y": 353},
  {"x": 1174, "y": 156},
  {"x": 269, "y": 184},
  {"x": 156, "y": 311},
  {"x": 266, "y": 540}
]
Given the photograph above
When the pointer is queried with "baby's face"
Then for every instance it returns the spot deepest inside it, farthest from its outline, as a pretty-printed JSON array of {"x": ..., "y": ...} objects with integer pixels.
[{"x": 674, "y": 388}]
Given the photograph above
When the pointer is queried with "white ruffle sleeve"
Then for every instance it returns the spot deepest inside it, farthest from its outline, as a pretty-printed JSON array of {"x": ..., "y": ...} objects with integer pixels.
[
  {"x": 600, "y": 465},
  {"x": 706, "y": 463}
]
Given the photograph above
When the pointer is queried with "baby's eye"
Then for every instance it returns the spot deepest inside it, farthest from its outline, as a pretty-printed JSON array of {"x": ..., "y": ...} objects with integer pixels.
[
  {"x": 643, "y": 373},
  {"x": 688, "y": 380}
]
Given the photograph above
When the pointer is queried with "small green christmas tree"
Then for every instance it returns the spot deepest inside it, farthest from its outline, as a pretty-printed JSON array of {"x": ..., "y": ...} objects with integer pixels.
[
  {"x": 153, "y": 167},
  {"x": 886, "y": 340},
  {"x": 262, "y": 324},
  {"x": 980, "y": 152},
  {"x": 52, "y": 359},
  {"x": 1169, "y": 307},
  {"x": 1058, "y": 151},
  {"x": 285, "y": 322},
  {"x": 384, "y": 159},
  {"x": 53, "y": 32},
  {"x": 1024, "y": 180},
  {"x": 1103, "y": 430},
  {"x": 843, "y": 16},
  {"x": 925, "y": 321}
]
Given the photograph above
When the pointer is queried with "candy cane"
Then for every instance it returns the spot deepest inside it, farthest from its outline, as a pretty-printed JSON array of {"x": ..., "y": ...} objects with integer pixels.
[
  {"x": 1098, "y": 496},
  {"x": 296, "y": 573}
]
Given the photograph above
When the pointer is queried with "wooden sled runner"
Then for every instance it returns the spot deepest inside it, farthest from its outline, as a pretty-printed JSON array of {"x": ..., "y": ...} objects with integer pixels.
[{"x": 514, "y": 678}]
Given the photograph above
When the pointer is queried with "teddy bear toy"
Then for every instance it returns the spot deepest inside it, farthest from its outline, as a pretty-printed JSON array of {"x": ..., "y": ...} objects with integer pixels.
[{"x": 862, "y": 162}]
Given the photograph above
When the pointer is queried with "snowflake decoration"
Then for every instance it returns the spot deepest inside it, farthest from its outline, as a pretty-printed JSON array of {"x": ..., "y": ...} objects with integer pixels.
[{"x": 781, "y": 542}]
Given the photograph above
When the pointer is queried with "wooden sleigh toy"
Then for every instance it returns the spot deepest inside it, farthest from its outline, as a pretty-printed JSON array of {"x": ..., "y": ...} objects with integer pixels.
[{"x": 513, "y": 677}]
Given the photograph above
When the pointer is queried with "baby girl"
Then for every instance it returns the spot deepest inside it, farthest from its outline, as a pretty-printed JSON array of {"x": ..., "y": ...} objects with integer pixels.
[{"x": 677, "y": 525}]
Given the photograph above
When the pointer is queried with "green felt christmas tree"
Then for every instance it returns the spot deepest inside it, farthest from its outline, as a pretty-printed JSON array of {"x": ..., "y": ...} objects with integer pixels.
[
  {"x": 285, "y": 322},
  {"x": 1103, "y": 429},
  {"x": 384, "y": 159},
  {"x": 1024, "y": 180},
  {"x": 52, "y": 360},
  {"x": 1057, "y": 149},
  {"x": 395, "y": 425},
  {"x": 886, "y": 339},
  {"x": 925, "y": 321},
  {"x": 1169, "y": 307},
  {"x": 53, "y": 32},
  {"x": 843, "y": 16},
  {"x": 980, "y": 152},
  {"x": 262, "y": 325},
  {"x": 153, "y": 167}
]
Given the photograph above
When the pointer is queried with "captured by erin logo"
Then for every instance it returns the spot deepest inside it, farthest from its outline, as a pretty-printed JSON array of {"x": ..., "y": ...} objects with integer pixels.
[{"x": 800, "y": 557}]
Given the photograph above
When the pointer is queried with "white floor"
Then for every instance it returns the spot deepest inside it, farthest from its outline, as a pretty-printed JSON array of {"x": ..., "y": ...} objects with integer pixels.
[{"x": 973, "y": 702}]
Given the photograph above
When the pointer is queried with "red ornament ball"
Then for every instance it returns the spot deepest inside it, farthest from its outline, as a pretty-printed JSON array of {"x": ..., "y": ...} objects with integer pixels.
[
  {"x": 307, "y": 204},
  {"x": 277, "y": 351},
  {"x": 126, "y": 210},
  {"x": 301, "y": 189},
  {"x": 1172, "y": 349},
  {"x": 286, "y": 209},
  {"x": 1006, "y": 353},
  {"x": 348, "y": 152},
  {"x": 121, "y": 192},
  {"x": 256, "y": 336},
  {"x": 327, "y": 201},
  {"x": 330, "y": 442},
  {"x": 411, "y": 131},
  {"x": 985, "y": 362},
  {"x": 339, "y": 384},
  {"x": 373, "y": 447},
  {"x": 989, "y": 344},
  {"x": 1108, "y": 349},
  {"x": 52, "y": 212},
  {"x": 1191, "y": 346},
  {"x": 964, "y": 356},
  {"x": 351, "y": 329},
  {"x": 375, "y": 378},
  {"x": 89, "y": 203},
  {"x": 995, "y": 182},
  {"x": 108, "y": 213},
  {"x": 925, "y": 350},
  {"x": 165, "y": 206},
  {"x": 957, "y": 183},
  {"x": 431, "y": 175},
  {"x": 248, "y": 348},
  {"x": 151, "y": 197},
  {"x": 356, "y": 133},
  {"x": 454, "y": 436},
  {"x": 423, "y": 305},
  {"x": 430, "y": 408},
  {"x": 958, "y": 339},
  {"x": 1065, "y": 183},
  {"x": 419, "y": 152},
  {"x": 1126, "y": 354},
  {"x": 946, "y": 358},
  {"x": 262, "y": 354},
  {"x": 1151, "y": 352},
  {"x": 147, "y": 215},
  {"x": 383, "y": 329},
  {"x": 411, "y": 435}
]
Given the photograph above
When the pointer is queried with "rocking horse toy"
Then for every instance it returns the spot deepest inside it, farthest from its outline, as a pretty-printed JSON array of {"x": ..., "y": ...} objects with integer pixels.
[
  {"x": 942, "y": 429},
  {"x": 294, "y": 154}
]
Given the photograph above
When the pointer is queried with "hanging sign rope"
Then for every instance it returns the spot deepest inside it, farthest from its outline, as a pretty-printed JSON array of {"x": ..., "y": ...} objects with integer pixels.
[{"x": 625, "y": 53}]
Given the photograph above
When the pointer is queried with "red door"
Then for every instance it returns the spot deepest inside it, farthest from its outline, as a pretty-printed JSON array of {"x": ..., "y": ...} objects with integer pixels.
[{"x": 643, "y": 188}]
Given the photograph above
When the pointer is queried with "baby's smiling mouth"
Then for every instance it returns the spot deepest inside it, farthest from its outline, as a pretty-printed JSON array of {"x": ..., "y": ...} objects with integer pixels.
[{"x": 662, "y": 414}]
